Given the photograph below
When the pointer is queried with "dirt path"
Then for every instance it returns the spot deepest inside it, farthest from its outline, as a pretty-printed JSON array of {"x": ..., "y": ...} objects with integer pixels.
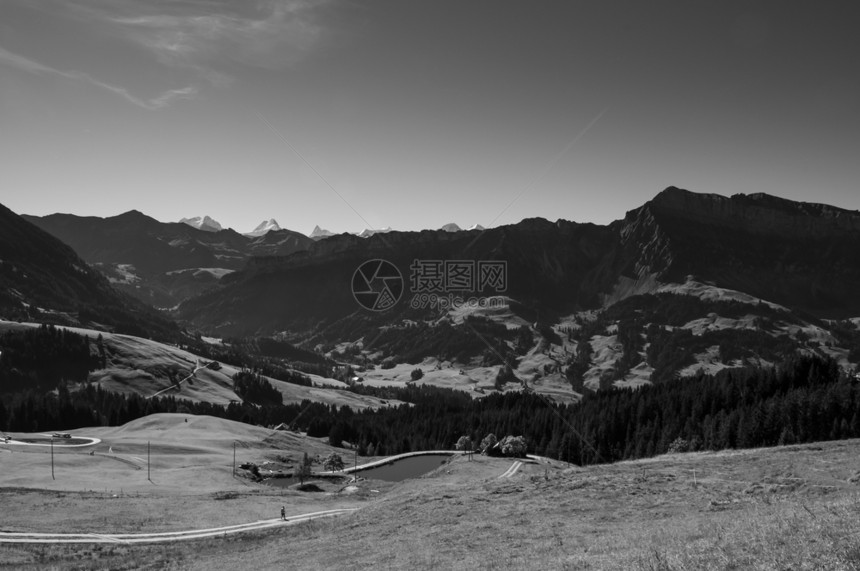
[
  {"x": 512, "y": 470},
  {"x": 128, "y": 538}
]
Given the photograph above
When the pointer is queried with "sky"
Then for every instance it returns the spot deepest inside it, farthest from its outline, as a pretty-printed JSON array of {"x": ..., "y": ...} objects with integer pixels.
[{"x": 351, "y": 114}]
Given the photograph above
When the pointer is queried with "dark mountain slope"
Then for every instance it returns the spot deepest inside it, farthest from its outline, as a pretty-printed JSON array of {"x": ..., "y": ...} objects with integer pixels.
[
  {"x": 43, "y": 279},
  {"x": 560, "y": 266},
  {"x": 136, "y": 239}
]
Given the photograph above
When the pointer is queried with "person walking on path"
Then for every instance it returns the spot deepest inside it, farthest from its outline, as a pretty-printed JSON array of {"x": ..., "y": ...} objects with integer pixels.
[{"x": 283, "y": 513}]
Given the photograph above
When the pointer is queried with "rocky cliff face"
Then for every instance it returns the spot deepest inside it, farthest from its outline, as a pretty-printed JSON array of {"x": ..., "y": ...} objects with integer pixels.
[
  {"x": 796, "y": 254},
  {"x": 647, "y": 246}
]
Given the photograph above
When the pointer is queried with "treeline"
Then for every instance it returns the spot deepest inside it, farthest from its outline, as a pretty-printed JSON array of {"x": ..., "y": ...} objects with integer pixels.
[
  {"x": 807, "y": 399},
  {"x": 90, "y": 405},
  {"x": 43, "y": 357},
  {"x": 255, "y": 389}
]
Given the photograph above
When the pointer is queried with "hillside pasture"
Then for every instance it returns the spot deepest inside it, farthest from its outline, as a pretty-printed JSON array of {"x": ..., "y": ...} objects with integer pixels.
[
  {"x": 789, "y": 507},
  {"x": 135, "y": 365}
]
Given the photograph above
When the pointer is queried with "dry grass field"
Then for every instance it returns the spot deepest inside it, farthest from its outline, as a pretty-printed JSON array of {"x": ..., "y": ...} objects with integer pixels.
[
  {"x": 794, "y": 507},
  {"x": 188, "y": 483}
]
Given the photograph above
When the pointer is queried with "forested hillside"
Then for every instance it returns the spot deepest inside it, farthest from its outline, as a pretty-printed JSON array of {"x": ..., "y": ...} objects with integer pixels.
[{"x": 805, "y": 400}]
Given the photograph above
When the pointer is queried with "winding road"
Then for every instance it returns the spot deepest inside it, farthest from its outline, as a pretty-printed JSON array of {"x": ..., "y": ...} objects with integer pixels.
[{"x": 128, "y": 538}]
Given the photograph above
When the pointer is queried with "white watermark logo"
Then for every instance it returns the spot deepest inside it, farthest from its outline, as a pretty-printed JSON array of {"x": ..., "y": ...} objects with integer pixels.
[{"x": 378, "y": 285}]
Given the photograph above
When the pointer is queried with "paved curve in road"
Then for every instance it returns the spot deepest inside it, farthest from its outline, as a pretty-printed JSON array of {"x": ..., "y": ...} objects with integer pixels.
[
  {"x": 15, "y": 537},
  {"x": 58, "y": 442}
]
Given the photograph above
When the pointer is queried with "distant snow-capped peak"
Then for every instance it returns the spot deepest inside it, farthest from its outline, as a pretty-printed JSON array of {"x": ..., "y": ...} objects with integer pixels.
[
  {"x": 368, "y": 232},
  {"x": 319, "y": 233},
  {"x": 454, "y": 228},
  {"x": 265, "y": 226},
  {"x": 205, "y": 223}
]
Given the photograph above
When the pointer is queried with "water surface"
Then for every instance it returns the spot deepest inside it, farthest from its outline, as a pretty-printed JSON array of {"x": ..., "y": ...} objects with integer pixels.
[{"x": 405, "y": 468}]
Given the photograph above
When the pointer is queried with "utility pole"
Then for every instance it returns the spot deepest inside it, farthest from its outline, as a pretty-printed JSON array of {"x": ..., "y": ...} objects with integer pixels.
[{"x": 52, "y": 458}]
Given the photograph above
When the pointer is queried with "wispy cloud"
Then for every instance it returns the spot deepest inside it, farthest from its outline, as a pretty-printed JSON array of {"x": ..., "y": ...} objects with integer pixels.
[
  {"x": 32, "y": 66},
  {"x": 20, "y": 62},
  {"x": 195, "y": 42},
  {"x": 269, "y": 34}
]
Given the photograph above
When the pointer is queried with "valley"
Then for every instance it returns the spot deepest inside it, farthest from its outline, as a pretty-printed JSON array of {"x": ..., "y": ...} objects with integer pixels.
[
  {"x": 485, "y": 285},
  {"x": 683, "y": 379}
]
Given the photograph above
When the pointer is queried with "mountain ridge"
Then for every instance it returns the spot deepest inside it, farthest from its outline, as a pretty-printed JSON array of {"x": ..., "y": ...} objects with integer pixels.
[
  {"x": 43, "y": 278},
  {"x": 707, "y": 255},
  {"x": 756, "y": 250},
  {"x": 804, "y": 255},
  {"x": 163, "y": 256},
  {"x": 758, "y": 212}
]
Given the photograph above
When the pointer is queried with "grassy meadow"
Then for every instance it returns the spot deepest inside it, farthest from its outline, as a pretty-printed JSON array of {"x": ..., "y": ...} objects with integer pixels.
[{"x": 793, "y": 507}]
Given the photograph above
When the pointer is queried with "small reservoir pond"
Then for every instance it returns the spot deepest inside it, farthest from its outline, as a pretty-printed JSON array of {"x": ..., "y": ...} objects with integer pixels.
[
  {"x": 405, "y": 468},
  {"x": 396, "y": 471}
]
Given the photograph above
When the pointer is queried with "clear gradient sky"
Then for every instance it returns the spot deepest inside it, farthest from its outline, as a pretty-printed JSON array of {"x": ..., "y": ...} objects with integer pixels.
[{"x": 422, "y": 113}]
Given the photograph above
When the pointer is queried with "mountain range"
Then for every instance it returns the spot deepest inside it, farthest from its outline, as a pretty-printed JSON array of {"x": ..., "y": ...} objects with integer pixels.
[
  {"x": 685, "y": 282},
  {"x": 163, "y": 263},
  {"x": 798, "y": 255},
  {"x": 207, "y": 224}
]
